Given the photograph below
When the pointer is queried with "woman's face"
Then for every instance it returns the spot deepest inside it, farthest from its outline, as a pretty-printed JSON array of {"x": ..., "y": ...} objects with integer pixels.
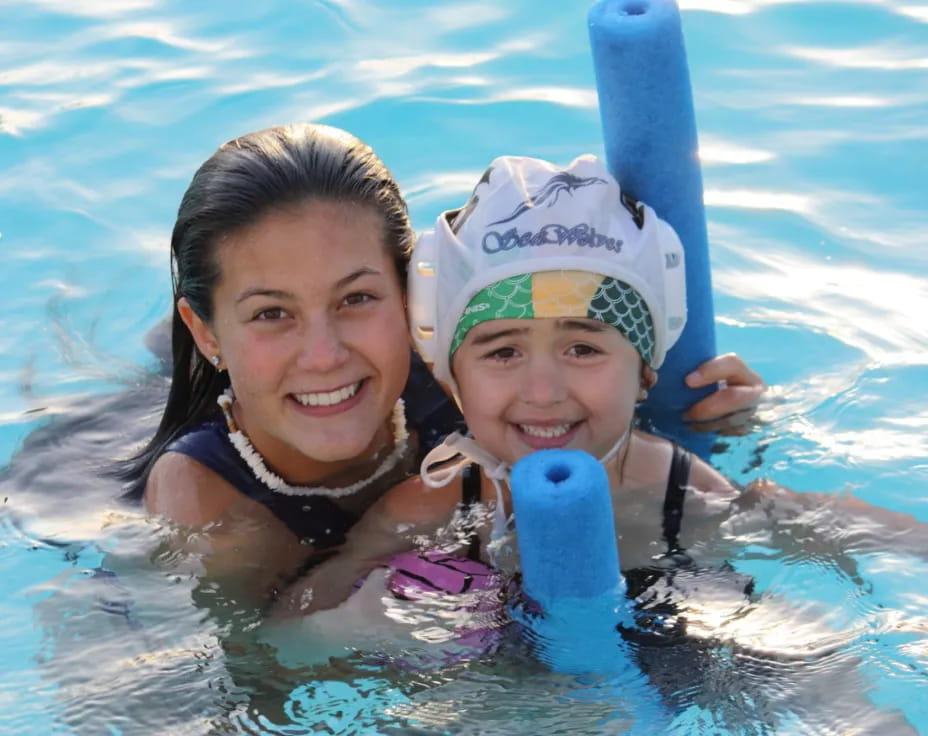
[{"x": 309, "y": 320}]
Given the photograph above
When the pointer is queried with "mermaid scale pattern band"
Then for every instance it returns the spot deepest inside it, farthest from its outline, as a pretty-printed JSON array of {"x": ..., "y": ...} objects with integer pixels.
[{"x": 563, "y": 294}]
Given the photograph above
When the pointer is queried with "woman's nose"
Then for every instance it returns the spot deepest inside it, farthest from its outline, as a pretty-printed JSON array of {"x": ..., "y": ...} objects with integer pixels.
[{"x": 322, "y": 347}]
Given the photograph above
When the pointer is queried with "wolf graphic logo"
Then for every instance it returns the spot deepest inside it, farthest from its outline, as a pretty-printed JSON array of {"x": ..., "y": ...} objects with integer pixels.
[
  {"x": 635, "y": 209},
  {"x": 457, "y": 218},
  {"x": 550, "y": 193}
]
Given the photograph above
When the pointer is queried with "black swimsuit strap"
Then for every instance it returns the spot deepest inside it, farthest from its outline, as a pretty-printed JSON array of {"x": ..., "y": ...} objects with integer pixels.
[
  {"x": 470, "y": 494},
  {"x": 673, "y": 498}
]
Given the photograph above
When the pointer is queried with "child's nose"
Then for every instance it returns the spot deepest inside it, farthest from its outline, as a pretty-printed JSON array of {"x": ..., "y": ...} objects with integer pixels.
[{"x": 543, "y": 383}]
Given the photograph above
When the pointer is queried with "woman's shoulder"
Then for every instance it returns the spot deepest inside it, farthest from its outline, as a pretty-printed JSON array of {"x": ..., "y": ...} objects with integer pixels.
[
  {"x": 203, "y": 457},
  {"x": 204, "y": 438},
  {"x": 184, "y": 490}
]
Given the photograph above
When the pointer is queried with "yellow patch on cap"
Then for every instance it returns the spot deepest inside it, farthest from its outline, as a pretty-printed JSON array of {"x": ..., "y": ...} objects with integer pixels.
[{"x": 564, "y": 293}]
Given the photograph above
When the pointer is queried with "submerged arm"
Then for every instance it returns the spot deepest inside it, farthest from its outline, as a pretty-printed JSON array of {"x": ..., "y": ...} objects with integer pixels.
[
  {"x": 231, "y": 539},
  {"x": 841, "y": 521},
  {"x": 394, "y": 524}
]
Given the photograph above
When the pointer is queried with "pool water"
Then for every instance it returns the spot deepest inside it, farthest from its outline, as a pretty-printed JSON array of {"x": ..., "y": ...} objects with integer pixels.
[{"x": 814, "y": 142}]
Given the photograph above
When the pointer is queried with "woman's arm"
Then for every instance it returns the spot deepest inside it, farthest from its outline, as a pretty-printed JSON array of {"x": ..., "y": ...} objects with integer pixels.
[
  {"x": 397, "y": 522},
  {"x": 237, "y": 541}
]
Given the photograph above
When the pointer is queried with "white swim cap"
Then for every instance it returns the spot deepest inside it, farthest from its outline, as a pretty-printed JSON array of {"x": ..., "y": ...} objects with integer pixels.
[{"x": 527, "y": 217}]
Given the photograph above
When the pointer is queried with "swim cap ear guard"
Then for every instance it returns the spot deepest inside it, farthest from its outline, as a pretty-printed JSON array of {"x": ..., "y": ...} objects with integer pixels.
[
  {"x": 527, "y": 216},
  {"x": 422, "y": 293}
]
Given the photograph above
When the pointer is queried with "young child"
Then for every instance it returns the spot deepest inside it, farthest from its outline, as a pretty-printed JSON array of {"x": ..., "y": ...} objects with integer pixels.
[{"x": 547, "y": 305}]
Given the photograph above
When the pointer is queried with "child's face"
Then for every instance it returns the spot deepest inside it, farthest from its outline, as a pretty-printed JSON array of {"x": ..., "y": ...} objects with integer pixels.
[{"x": 531, "y": 384}]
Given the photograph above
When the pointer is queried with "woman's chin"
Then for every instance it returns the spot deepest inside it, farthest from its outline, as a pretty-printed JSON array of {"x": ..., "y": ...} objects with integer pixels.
[{"x": 338, "y": 452}]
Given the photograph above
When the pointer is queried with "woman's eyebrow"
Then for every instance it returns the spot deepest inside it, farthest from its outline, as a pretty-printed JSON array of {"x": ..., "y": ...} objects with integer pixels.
[
  {"x": 355, "y": 275},
  {"x": 281, "y": 294},
  {"x": 259, "y": 291}
]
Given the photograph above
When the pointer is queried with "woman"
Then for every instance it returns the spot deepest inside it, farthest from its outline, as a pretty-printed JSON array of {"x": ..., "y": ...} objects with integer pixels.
[{"x": 289, "y": 256}]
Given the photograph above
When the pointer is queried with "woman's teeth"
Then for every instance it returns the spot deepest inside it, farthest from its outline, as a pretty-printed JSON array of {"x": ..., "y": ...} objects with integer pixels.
[
  {"x": 328, "y": 398},
  {"x": 548, "y": 432}
]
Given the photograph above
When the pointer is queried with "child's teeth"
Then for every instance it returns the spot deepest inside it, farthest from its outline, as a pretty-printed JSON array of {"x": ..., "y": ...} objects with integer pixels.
[{"x": 557, "y": 430}]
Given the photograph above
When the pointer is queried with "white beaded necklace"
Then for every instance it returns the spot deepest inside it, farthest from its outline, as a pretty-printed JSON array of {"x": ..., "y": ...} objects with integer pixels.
[{"x": 273, "y": 481}]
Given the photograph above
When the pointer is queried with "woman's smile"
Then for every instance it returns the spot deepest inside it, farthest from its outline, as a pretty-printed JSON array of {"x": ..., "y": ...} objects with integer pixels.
[{"x": 327, "y": 403}]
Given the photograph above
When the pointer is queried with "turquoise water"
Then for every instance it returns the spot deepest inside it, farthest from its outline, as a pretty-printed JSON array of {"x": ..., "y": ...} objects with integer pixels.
[{"x": 812, "y": 122}]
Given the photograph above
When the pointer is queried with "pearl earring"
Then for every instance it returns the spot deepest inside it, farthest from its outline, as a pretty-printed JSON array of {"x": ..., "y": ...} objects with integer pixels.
[
  {"x": 215, "y": 360},
  {"x": 642, "y": 394}
]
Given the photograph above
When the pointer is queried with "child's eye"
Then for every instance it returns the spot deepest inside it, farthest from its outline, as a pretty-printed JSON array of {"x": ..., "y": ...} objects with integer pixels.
[
  {"x": 506, "y": 353},
  {"x": 358, "y": 297},
  {"x": 271, "y": 314},
  {"x": 582, "y": 350}
]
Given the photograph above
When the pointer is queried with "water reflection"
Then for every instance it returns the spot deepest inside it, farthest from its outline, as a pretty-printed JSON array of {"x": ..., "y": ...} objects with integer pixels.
[{"x": 812, "y": 146}]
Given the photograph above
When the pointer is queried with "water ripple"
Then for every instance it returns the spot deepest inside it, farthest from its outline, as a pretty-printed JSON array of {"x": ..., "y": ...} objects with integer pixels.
[
  {"x": 890, "y": 58},
  {"x": 813, "y": 131}
]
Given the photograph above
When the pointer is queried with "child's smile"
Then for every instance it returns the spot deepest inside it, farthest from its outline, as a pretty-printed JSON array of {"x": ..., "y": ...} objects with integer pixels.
[{"x": 543, "y": 436}]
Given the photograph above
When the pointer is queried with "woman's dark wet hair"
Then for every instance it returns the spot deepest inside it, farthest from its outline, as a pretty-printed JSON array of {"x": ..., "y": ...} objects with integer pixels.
[{"x": 245, "y": 179}]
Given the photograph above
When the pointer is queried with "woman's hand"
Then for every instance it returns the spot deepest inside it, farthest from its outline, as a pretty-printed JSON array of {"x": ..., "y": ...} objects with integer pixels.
[{"x": 732, "y": 406}]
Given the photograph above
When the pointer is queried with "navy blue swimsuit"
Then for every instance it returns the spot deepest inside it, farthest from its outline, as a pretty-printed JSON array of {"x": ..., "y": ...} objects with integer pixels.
[{"x": 317, "y": 520}]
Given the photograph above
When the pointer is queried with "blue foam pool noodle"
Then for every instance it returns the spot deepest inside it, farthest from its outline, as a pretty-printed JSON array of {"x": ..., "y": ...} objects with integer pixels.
[
  {"x": 565, "y": 526},
  {"x": 649, "y": 131},
  {"x": 573, "y": 587}
]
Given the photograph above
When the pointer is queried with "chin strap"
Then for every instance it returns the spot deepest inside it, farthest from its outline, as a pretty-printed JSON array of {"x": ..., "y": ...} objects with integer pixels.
[
  {"x": 455, "y": 445},
  {"x": 614, "y": 450}
]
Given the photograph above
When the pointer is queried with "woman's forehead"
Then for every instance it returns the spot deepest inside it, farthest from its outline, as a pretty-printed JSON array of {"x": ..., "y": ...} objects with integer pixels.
[{"x": 315, "y": 245}]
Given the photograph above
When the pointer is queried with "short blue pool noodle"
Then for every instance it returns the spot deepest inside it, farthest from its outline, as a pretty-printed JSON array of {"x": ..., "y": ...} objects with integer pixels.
[
  {"x": 649, "y": 130},
  {"x": 566, "y": 529}
]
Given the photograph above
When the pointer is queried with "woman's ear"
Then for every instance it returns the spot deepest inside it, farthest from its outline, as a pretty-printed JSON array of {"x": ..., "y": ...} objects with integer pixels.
[{"x": 201, "y": 332}]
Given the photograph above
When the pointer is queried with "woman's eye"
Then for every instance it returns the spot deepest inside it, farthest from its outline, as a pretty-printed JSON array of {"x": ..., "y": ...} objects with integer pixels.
[
  {"x": 358, "y": 297},
  {"x": 271, "y": 313}
]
